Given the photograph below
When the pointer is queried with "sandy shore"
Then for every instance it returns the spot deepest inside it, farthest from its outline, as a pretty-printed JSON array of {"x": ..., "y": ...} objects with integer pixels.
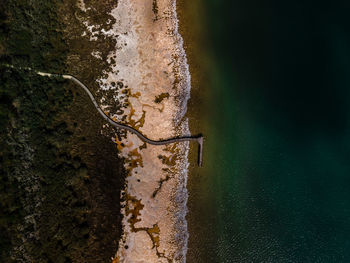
[{"x": 150, "y": 82}]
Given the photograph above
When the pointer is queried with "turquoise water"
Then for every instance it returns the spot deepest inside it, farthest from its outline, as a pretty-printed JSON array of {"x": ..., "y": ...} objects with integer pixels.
[{"x": 278, "y": 142}]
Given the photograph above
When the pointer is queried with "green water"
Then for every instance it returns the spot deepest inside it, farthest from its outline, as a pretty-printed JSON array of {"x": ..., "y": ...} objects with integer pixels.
[{"x": 277, "y": 161}]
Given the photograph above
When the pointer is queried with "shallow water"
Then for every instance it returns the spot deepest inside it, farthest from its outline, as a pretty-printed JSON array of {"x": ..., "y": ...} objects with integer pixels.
[{"x": 275, "y": 183}]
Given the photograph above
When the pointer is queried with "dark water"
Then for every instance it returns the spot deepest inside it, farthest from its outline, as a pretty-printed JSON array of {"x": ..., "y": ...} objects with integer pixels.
[{"x": 279, "y": 136}]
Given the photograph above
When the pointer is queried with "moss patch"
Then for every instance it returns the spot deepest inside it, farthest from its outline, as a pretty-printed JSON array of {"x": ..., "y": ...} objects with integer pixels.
[{"x": 161, "y": 97}]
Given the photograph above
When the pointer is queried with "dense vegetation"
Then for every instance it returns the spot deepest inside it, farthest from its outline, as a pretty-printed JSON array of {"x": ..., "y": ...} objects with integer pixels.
[{"x": 59, "y": 177}]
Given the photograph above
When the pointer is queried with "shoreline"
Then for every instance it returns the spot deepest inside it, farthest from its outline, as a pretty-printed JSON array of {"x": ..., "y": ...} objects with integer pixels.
[
  {"x": 192, "y": 26},
  {"x": 149, "y": 79}
]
